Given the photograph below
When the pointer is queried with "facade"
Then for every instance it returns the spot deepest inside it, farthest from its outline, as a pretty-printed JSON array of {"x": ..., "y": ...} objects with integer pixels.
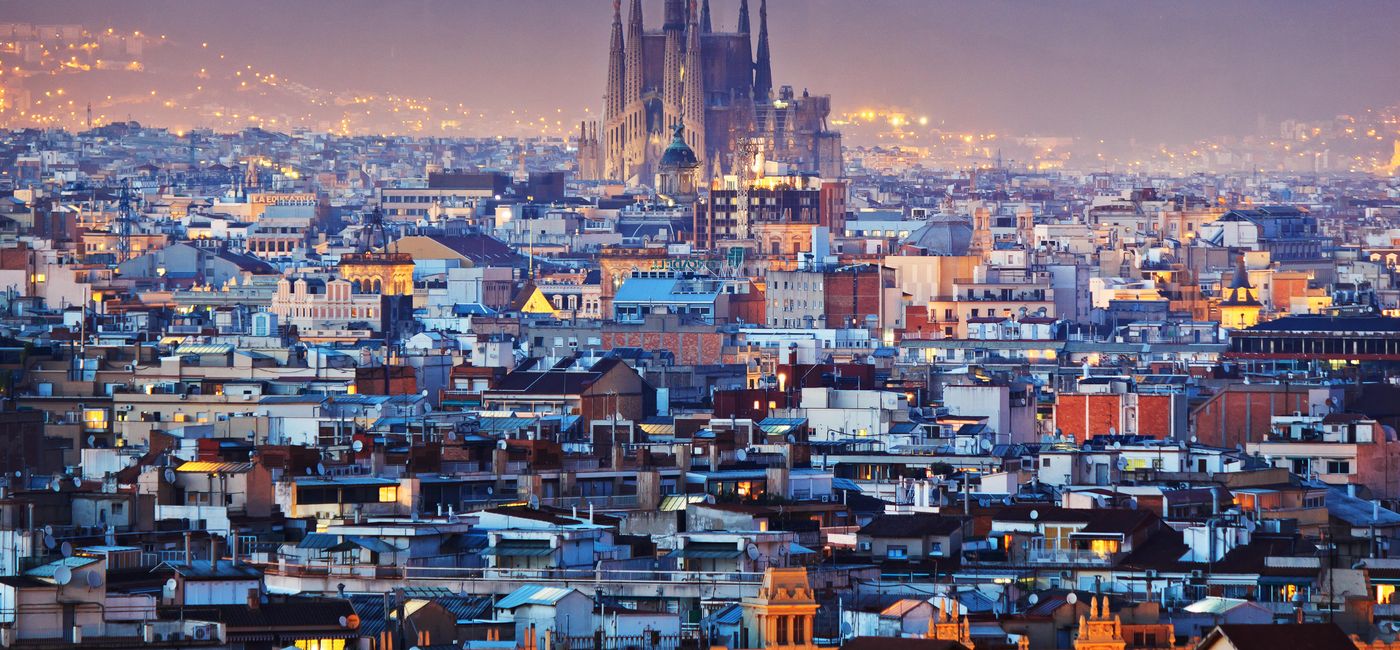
[{"x": 731, "y": 110}]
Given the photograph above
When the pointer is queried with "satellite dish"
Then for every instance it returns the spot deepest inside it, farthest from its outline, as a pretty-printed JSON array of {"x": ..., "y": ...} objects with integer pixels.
[
  {"x": 320, "y": 469},
  {"x": 791, "y": 438},
  {"x": 752, "y": 552},
  {"x": 1033, "y": 599},
  {"x": 490, "y": 490},
  {"x": 501, "y": 444},
  {"x": 66, "y": 549},
  {"x": 1072, "y": 598},
  {"x": 49, "y": 541},
  {"x": 94, "y": 579},
  {"x": 1132, "y": 504},
  {"x": 1112, "y": 431},
  {"x": 92, "y": 441},
  {"x": 169, "y": 475},
  {"x": 741, "y": 455},
  {"x": 846, "y": 630},
  {"x": 169, "y": 588},
  {"x": 131, "y": 462},
  {"x": 48, "y": 530},
  {"x": 534, "y": 502},
  {"x": 451, "y": 436},
  {"x": 1122, "y": 464},
  {"x": 357, "y": 446},
  {"x": 985, "y": 444},
  {"x": 1035, "y": 514},
  {"x": 1006, "y": 500},
  {"x": 1117, "y": 444},
  {"x": 56, "y": 485},
  {"x": 308, "y": 471},
  {"x": 77, "y": 481},
  {"x": 63, "y": 575},
  {"x": 344, "y": 622}
]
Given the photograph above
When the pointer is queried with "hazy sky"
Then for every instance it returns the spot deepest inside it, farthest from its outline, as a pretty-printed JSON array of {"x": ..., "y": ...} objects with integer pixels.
[{"x": 1106, "y": 68}]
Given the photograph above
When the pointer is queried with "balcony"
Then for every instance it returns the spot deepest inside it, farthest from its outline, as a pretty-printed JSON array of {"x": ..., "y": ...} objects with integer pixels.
[{"x": 1080, "y": 557}]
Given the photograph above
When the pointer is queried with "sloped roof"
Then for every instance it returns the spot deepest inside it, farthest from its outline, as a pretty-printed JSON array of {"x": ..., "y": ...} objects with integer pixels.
[
  {"x": 912, "y": 525},
  {"x": 534, "y": 595}
]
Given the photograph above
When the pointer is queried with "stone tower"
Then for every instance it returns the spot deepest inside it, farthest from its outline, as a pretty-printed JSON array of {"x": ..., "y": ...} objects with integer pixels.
[
  {"x": 1241, "y": 306},
  {"x": 614, "y": 99},
  {"x": 781, "y": 616},
  {"x": 693, "y": 91}
]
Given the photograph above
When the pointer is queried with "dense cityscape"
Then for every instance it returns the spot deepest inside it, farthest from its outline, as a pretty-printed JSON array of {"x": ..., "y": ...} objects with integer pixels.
[{"x": 711, "y": 359}]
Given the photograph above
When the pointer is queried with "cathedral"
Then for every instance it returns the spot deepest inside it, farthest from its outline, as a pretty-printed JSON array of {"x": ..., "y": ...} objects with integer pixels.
[{"x": 728, "y": 106}]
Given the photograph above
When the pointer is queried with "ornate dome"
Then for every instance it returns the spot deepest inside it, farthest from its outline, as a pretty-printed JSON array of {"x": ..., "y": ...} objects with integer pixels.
[{"x": 678, "y": 154}]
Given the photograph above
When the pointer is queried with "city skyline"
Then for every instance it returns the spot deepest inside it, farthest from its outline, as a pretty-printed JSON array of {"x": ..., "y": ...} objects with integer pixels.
[{"x": 1145, "y": 73}]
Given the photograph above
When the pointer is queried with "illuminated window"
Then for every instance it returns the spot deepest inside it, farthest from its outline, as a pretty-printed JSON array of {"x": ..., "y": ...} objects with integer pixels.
[
  {"x": 1103, "y": 546},
  {"x": 388, "y": 494},
  {"x": 95, "y": 420},
  {"x": 320, "y": 644},
  {"x": 1384, "y": 594}
]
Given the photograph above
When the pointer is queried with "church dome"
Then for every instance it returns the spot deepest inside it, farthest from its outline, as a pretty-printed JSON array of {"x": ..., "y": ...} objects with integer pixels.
[
  {"x": 942, "y": 235},
  {"x": 678, "y": 154}
]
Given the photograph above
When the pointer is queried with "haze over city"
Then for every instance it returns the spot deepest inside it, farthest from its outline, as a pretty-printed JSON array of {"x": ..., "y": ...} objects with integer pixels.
[{"x": 1154, "y": 73}]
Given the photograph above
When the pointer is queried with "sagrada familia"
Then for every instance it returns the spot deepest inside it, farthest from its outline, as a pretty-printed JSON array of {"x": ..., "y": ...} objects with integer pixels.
[{"x": 714, "y": 85}]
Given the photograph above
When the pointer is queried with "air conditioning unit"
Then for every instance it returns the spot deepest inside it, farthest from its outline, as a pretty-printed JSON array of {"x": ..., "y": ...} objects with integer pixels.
[
  {"x": 129, "y": 368},
  {"x": 201, "y": 633},
  {"x": 1197, "y": 573},
  {"x": 124, "y": 408},
  {"x": 1151, "y": 573},
  {"x": 826, "y": 498}
]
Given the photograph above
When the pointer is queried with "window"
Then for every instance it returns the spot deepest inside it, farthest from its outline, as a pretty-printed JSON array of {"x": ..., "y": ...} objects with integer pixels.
[
  {"x": 388, "y": 494},
  {"x": 1338, "y": 467},
  {"x": 896, "y": 552}
]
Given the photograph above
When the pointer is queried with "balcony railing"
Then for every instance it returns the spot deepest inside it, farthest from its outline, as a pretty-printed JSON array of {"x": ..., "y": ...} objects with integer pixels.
[{"x": 1070, "y": 556}]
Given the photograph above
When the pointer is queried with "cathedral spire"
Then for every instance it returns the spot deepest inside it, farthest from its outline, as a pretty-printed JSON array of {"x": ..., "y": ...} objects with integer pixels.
[
  {"x": 705, "y": 25},
  {"x": 616, "y": 67},
  {"x": 763, "y": 67},
  {"x": 693, "y": 89},
  {"x": 633, "y": 54},
  {"x": 744, "y": 17},
  {"x": 672, "y": 62}
]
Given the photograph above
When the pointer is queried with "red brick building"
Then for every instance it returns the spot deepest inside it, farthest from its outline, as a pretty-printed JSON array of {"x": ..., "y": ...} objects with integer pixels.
[
  {"x": 1123, "y": 411},
  {"x": 1241, "y": 413}
]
